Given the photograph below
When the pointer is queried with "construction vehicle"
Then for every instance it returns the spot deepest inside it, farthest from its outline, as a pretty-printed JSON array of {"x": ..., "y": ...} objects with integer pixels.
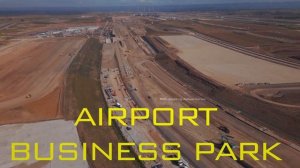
[
  {"x": 224, "y": 129},
  {"x": 225, "y": 138},
  {"x": 118, "y": 105},
  {"x": 182, "y": 163}
]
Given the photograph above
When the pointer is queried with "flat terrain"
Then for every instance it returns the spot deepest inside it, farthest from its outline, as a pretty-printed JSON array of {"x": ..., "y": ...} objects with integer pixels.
[
  {"x": 52, "y": 66},
  {"x": 31, "y": 75},
  {"x": 227, "y": 66},
  {"x": 31, "y": 71},
  {"x": 289, "y": 96},
  {"x": 61, "y": 131},
  {"x": 268, "y": 32},
  {"x": 45, "y": 77}
]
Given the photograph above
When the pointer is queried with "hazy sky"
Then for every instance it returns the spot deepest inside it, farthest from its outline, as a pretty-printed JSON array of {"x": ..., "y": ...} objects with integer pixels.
[{"x": 93, "y": 3}]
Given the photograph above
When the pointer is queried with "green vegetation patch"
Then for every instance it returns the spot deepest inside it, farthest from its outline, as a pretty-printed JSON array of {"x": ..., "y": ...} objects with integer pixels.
[{"x": 83, "y": 90}]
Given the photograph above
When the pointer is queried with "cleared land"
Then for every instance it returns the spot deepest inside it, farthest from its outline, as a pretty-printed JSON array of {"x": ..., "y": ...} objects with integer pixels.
[
  {"x": 149, "y": 83},
  {"x": 61, "y": 131},
  {"x": 149, "y": 72},
  {"x": 227, "y": 66},
  {"x": 264, "y": 113},
  {"x": 275, "y": 37},
  {"x": 31, "y": 75},
  {"x": 288, "y": 96}
]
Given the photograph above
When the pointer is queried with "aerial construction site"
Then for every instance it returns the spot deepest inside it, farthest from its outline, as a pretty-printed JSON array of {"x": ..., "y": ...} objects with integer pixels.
[{"x": 245, "y": 64}]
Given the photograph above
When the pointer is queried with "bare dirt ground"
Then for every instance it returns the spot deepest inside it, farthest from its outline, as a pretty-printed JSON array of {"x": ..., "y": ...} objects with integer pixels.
[
  {"x": 31, "y": 78},
  {"x": 154, "y": 80},
  {"x": 266, "y": 113},
  {"x": 177, "y": 89},
  {"x": 34, "y": 86},
  {"x": 285, "y": 96},
  {"x": 13, "y": 27},
  {"x": 109, "y": 54},
  {"x": 277, "y": 38},
  {"x": 227, "y": 66}
]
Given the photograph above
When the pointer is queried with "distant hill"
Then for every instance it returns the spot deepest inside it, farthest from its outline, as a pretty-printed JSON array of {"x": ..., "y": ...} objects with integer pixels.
[{"x": 163, "y": 8}]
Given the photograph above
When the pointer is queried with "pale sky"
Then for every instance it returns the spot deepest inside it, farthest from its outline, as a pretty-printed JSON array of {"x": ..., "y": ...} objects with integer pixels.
[{"x": 95, "y": 3}]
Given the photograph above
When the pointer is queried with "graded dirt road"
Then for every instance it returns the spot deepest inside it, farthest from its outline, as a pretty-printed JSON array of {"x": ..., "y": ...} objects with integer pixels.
[
  {"x": 227, "y": 66},
  {"x": 31, "y": 74},
  {"x": 286, "y": 96}
]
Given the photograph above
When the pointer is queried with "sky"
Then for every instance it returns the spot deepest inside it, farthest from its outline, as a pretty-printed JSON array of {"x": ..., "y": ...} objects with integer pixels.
[{"x": 95, "y": 3}]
